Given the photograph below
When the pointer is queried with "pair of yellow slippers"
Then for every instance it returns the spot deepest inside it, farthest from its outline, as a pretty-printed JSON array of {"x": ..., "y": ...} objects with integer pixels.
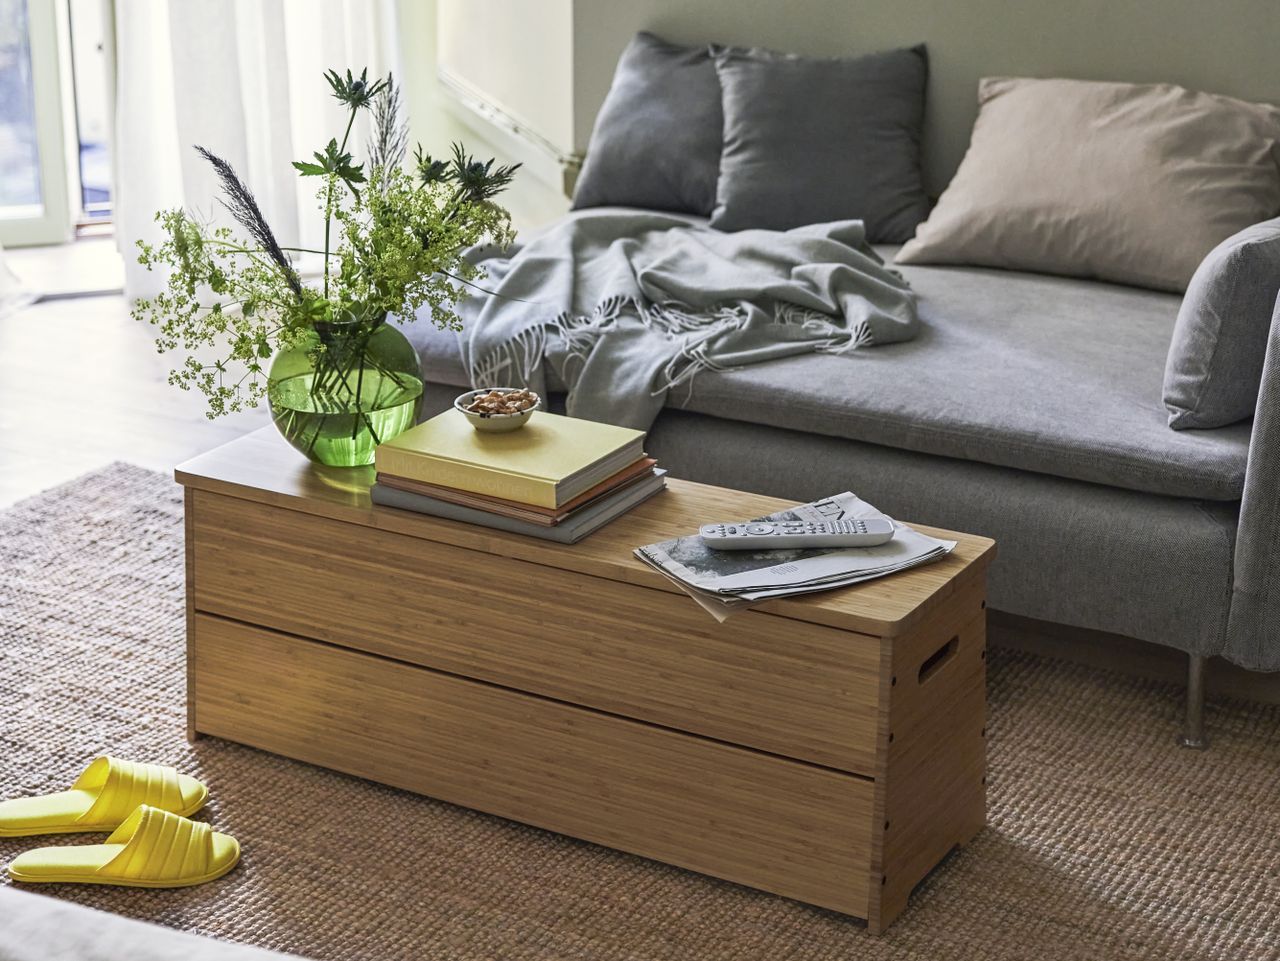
[{"x": 153, "y": 842}]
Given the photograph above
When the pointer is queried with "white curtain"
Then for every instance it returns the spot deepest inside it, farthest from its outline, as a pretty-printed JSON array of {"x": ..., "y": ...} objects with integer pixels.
[
  {"x": 13, "y": 294},
  {"x": 244, "y": 79}
]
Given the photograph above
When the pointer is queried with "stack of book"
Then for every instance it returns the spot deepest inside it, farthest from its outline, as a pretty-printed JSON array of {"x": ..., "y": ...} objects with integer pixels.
[{"x": 558, "y": 478}]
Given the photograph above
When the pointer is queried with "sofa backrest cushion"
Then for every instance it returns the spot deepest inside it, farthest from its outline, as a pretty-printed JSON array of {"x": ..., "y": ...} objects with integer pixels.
[
  {"x": 1220, "y": 339},
  {"x": 1228, "y": 47},
  {"x": 656, "y": 140},
  {"x": 1133, "y": 183},
  {"x": 814, "y": 139}
]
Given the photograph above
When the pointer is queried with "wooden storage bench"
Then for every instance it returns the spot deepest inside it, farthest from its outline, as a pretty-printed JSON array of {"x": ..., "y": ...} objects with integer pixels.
[{"x": 827, "y": 748}]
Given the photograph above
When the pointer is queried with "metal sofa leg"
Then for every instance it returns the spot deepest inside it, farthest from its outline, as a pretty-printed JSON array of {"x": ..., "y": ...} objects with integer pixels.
[{"x": 1193, "y": 735}]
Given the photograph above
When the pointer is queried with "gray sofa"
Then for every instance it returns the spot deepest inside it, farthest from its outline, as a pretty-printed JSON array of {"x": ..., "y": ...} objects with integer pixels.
[
  {"x": 1028, "y": 410},
  {"x": 35, "y": 927}
]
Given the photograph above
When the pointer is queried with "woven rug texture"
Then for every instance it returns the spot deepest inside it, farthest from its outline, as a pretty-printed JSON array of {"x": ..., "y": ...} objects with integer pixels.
[{"x": 1104, "y": 840}]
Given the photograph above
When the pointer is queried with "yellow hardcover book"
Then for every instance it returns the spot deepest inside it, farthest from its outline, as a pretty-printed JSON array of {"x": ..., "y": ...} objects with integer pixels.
[{"x": 547, "y": 462}]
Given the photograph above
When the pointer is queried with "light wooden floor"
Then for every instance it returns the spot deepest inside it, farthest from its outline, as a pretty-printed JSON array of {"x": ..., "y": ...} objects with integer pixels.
[
  {"x": 81, "y": 385},
  {"x": 87, "y": 265}
]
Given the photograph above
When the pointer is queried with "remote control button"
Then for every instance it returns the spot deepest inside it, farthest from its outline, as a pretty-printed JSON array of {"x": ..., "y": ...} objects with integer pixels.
[{"x": 759, "y": 528}]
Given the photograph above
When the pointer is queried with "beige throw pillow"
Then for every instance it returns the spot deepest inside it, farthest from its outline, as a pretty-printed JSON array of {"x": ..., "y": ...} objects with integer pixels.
[{"x": 1134, "y": 183}]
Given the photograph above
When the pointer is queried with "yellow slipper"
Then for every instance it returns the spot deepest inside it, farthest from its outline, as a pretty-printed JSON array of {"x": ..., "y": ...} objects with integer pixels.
[
  {"x": 151, "y": 849},
  {"x": 104, "y": 795}
]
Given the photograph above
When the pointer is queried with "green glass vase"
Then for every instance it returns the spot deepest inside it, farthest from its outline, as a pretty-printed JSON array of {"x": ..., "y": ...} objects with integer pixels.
[{"x": 343, "y": 390}]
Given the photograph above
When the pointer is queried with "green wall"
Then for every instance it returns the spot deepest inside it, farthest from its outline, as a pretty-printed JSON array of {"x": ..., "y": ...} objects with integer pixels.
[
  {"x": 1223, "y": 46},
  {"x": 1228, "y": 46},
  {"x": 436, "y": 120}
]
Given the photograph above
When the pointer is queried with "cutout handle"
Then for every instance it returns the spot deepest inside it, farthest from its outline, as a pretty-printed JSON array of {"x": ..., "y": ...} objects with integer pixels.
[{"x": 935, "y": 661}]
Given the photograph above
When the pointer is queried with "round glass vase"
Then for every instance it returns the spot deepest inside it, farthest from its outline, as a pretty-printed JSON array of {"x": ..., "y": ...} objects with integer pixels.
[{"x": 343, "y": 390}]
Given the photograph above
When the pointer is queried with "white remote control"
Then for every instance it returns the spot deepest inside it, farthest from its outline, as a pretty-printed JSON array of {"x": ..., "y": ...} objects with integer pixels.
[{"x": 778, "y": 535}]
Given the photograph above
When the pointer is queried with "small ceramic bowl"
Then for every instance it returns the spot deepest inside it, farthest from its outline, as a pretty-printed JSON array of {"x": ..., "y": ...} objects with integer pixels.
[{"x": 494, "y": 423}]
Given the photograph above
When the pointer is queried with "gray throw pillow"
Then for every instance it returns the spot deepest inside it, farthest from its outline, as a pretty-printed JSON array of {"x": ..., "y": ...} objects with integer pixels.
[
  {"x": 809, "y": 140},
  {"x": 1220, "y": 340},
  {"x": 656, "y": 140}
]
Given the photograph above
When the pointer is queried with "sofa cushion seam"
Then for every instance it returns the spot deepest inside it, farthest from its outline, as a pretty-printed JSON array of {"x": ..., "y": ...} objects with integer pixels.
[{"x": 1232, "y": 484}]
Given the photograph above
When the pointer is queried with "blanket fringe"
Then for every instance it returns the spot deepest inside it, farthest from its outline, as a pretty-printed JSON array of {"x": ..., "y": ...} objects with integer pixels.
[
  {"x": 836, "y": 340},
  {"x": 512, "y": 364},
  {"x": 515, "y": 363},
  {"x": 675, "y": 319},
  {"x": 580, "y": 334}
]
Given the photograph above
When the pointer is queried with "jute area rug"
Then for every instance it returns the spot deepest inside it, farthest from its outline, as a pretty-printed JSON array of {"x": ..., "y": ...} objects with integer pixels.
[{"x": 1104, "y": 840}]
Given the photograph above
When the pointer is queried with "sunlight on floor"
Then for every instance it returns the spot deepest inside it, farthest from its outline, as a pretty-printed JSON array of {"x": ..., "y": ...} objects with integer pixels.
[
  {"x": 89, "y": 265},
  {"x": 81, "y": 385}
]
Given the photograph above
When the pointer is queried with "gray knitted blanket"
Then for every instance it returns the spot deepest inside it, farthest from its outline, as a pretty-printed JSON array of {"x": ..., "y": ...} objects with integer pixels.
[{"x": 626, "y": 305}]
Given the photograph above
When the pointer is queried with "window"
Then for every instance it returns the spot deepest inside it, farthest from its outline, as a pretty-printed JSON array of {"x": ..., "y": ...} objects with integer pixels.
[
  {"x": 19, "y": 156},
  {"x": 55, "y": 118},
  {"x": 33, "y": 183},
  {"x": 89, "y": 26}
]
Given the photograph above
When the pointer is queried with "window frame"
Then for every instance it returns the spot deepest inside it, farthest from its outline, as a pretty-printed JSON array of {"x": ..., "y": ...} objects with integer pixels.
[{"x": 52, "y": 224}]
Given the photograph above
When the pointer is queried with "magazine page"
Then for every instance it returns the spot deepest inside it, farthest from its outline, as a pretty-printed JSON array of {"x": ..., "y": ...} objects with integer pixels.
[
  {"x": 784, "y": 571},
  {"x": 719, "y": 606}
]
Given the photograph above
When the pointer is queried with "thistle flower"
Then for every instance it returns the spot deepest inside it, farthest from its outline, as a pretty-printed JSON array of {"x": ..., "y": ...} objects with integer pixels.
[
  {"x": 476, "y": 180},
  {"x": 355, "y": 92},
  {"x": 429, "y": 169}
]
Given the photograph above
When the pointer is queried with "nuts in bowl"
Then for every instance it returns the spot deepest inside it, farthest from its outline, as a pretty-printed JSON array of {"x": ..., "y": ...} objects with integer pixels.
[{"x": 498, "y": 409}]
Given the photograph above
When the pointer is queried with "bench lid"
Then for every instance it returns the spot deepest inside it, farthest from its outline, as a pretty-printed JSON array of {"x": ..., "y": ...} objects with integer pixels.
[{"x": 262, "y": 467}]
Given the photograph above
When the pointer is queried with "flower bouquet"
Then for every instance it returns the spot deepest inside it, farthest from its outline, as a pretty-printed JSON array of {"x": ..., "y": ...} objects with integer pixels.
[{"x": 338, "y": 377}]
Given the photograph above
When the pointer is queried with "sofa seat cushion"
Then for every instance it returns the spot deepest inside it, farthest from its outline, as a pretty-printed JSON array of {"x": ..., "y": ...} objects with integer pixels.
[
  {"x": 1151, "y": 567},
  {"x": 1049, "y": 374}
]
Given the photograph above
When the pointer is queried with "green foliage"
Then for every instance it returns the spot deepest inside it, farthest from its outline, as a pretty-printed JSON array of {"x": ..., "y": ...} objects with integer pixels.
[
  {"x": 333, "y": 161},
  {"x": 231, "y": 303},
  {"x": 223, "y": 307}
]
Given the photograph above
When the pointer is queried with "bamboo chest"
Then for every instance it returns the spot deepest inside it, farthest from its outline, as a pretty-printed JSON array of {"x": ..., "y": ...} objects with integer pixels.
[{"x": 828, "y": 748}]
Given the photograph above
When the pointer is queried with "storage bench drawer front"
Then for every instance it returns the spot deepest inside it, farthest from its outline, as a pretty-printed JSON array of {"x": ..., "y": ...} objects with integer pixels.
[
  {"x": 783, "y": 826},
  {"x": 785, "y": 686}
]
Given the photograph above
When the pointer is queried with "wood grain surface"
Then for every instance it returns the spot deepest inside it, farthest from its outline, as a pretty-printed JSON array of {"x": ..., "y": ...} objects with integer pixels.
[
  {"x": 262, "y": 467},
  {"x": 829, "y": 747},
  {"x": 786, "y": 827},
  {"x": 930, "y": 782},
  {"x": 781, "y": 685}
]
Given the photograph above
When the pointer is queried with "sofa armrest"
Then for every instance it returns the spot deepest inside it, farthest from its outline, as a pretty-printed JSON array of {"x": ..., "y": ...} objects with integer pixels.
[
  {"x": 38, "y": 928},
  {"x": 1253, "y": 628}
]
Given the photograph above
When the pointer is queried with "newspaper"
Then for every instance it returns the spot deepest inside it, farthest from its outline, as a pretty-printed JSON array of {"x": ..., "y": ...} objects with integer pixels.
[{"x": 724, "y": 582}]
